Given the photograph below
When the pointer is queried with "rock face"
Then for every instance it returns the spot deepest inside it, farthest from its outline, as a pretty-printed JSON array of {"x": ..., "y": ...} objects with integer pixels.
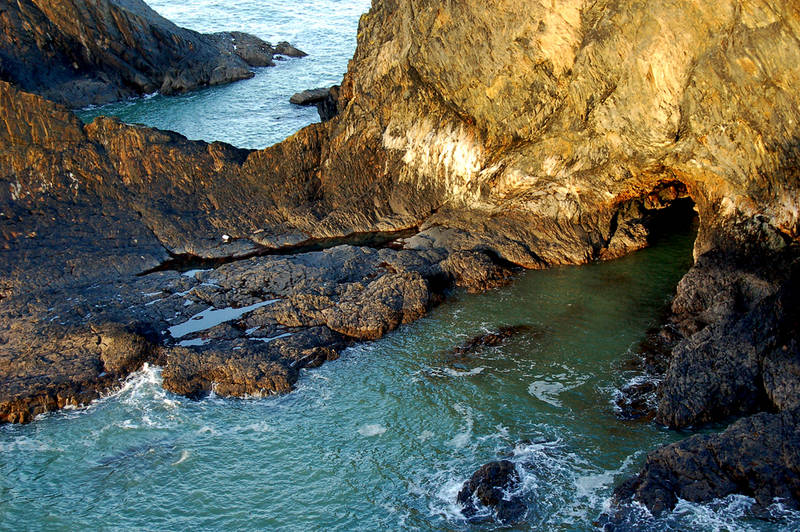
[
  {"x": 80, "y": 52},
  {"x": 490, "y": 486},
  {"x": 567, "y": 132},
  {"x": 758, "y": 456}
]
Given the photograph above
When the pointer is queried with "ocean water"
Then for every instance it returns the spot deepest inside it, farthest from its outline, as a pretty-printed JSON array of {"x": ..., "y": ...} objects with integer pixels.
[
  {"x": 253, "y": 113},
  {"x": 384, "y": 437}
]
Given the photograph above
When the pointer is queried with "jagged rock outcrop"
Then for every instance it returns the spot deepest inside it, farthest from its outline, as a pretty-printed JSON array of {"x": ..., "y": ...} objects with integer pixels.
[
  {"x": 492, "y": 487},
  {"x": 79, "y": 53},
  {"x": 559, "y": 133},
  {"x": 757, "y": 456}
]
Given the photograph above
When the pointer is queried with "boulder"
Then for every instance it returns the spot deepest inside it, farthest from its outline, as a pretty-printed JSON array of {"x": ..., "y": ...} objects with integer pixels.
[{"x": 490, "y": 486}]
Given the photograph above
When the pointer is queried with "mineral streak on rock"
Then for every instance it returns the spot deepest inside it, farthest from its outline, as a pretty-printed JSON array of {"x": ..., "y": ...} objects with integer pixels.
[
  {"x": 554, "y": 134},
  {"x": 79, "y": 53}
]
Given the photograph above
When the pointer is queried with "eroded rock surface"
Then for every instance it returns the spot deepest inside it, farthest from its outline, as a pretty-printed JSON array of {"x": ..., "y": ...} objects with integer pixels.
[
  {"x": 560, "y": 136},
  {"x": 80, "y": 52},
  {"x": 757, "y": 456},
  {"x": 492, "y": 487}
]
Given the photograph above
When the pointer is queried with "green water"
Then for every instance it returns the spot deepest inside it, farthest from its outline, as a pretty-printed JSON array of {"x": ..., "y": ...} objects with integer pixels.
[{"x": 383, "y": 437}]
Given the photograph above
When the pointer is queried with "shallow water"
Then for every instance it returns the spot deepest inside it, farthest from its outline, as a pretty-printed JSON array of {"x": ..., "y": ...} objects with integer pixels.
[{"x": 385, "y": 436}]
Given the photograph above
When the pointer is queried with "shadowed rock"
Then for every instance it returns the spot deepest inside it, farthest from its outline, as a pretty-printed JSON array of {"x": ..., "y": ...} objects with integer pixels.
[
  {"x": 758, "y": 456},
  {"x": 79, "y": 53},
  {"x": 490, "y": 487}
]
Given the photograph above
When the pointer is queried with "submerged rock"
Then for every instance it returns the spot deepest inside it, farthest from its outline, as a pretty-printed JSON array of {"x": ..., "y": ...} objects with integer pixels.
[
  {"x": 490, "y": 486},
  {"x": 489, "y": 339}
]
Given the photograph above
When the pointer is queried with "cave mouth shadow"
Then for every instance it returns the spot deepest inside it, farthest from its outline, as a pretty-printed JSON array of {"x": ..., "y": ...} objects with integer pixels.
[{"x": 678, "y": 217}]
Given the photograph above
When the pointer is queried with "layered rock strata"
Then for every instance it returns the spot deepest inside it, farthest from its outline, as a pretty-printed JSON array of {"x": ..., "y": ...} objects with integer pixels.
[
  {"x": 78, "y": 52},
  {"x": 555, "y": 134}
]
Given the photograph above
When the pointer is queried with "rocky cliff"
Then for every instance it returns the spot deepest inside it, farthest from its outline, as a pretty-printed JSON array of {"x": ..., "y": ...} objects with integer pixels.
[
  {"x": 560, "y": 133},
  {"x": 80, "y": 53}
]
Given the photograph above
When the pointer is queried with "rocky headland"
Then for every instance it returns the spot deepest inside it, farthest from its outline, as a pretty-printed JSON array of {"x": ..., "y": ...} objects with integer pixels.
[
  {"x": 79, "y": 52},
  {"x": 467, "y": 140}
]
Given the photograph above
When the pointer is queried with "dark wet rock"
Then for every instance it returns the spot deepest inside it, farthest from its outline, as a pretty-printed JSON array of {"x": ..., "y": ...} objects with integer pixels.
[
  {"x": 255, "y": 366},
  {"x": 475, "y": 271},
  {"x": 249, "y": 48},
  {"x": 79, "y": 53},
  {"x": 228, "y": 369},
  {"x": 325, "y": 99},
  {"x": 637, "y": 399},
  {"x": 758, "y": 456},
  {"x": 284, "y": 48},
  {"x": 490, "y": 339},
  {"x": 739, "y": 322},
  {"x": 61, "y": 365},
  {"x": 332, "y": 105},
  {"x": 490, "y": 487}
]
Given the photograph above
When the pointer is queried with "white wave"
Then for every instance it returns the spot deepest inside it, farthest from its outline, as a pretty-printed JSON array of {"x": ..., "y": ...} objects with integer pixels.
[
  {"x": 260, "y": 426},
  {"x": 184, "y": 456},
  {"x": 444, "y": 502},
  {"x": 550, "y": 387},
  {"x": 371, "y": 430},
  {"x": 721, "y": 514},
  {"x": 425, "y": 435},
  {"x": 463, "y": 438},
  {"x": 27, "y": 445},
  {"x": 455, "y": 373},
  {"x": 547, "y": 392}
]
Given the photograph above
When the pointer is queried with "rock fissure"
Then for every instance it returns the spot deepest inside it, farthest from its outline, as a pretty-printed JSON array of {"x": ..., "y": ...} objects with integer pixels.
[{"x": 185, "y": 261}]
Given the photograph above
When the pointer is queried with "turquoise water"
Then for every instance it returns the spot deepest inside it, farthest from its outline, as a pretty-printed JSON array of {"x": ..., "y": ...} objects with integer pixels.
[
  {"x": 384, "y": 437},
  {"x": 253, "y": 113}
]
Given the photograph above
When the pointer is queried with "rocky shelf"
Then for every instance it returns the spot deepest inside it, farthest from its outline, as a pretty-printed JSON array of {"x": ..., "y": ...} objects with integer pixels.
[{"x": 563, "y": 136}]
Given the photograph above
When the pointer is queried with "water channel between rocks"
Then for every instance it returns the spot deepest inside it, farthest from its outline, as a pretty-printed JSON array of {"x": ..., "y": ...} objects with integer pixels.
[{"x": 383, "y": 437}]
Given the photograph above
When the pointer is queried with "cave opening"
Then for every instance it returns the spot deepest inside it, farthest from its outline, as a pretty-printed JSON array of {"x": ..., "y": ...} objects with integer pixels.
[
  {"x": 646, "y": 220},
  {"x": 678, "y": 216}
]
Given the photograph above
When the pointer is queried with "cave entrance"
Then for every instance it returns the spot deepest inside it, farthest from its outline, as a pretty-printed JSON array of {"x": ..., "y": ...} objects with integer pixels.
[
  {"x": 646, "y": 220},
  {"x": 679, "y": 216}
]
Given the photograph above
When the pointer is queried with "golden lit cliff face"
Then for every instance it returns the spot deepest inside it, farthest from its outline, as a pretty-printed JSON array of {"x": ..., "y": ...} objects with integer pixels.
[{"x": 559, "y": 110}]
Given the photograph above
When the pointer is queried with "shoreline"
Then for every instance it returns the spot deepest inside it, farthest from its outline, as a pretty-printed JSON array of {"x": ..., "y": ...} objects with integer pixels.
[{"x": 565, "y": 174}]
